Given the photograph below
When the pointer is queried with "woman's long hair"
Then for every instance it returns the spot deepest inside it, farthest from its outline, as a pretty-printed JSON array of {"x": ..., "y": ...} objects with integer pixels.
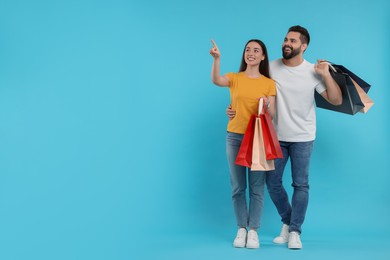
[{"x": 264, "y": 64}]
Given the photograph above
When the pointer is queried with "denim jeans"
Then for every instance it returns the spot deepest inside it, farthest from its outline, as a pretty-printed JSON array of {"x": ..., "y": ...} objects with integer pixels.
[
  {"x": 292, "y": 214},
  {"x": 238, "y": 181}
]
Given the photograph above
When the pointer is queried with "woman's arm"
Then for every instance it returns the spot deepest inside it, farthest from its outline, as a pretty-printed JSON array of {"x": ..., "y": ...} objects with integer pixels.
[{"x": 216, "y": 77}]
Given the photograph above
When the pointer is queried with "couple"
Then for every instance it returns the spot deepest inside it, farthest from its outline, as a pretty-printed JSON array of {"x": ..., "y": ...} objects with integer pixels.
[{"x": 288, "y": 86}]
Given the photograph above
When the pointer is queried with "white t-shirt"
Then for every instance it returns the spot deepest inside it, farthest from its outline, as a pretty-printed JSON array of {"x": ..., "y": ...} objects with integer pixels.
[{"x": 295, "y": 119}]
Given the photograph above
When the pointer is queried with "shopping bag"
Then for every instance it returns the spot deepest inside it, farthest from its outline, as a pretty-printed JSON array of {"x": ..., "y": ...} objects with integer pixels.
[
  {"x": 244, "y": 156},
  {"x": 364, "y": 85},
  {"x": 351, "y": 102},
  {"x": 259, "y": 160},
  {"x": 367, "y": 101},
  {"x": 271, "y": 142}
]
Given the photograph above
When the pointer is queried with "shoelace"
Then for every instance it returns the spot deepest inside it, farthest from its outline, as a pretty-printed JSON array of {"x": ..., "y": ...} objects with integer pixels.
[
  {"x": 295, "y": 237},
  {"x": 252, "y": 236},
  {"x": 241, "y": 234}
]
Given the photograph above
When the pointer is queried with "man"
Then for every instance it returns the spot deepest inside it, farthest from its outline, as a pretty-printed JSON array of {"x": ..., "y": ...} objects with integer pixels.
[{"x": 295, "y": 124}]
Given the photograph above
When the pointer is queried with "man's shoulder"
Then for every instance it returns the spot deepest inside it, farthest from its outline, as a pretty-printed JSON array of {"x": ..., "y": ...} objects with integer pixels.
[
  {"x": 275, "y": 62},
  {"x": 275, "y": 65},
  {"x": 307, "y": 64},
  {"x": 279, "y": 62}
]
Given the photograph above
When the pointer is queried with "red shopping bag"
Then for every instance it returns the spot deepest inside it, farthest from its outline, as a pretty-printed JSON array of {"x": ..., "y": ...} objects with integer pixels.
[
  {"x": 259, "y": 160},
  {"x": 244, "y": 156},
  {"x": 271, "y": 142}
]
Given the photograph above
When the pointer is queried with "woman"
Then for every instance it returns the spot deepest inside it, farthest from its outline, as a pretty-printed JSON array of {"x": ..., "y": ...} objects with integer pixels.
[{"x": 246, "y": 87}]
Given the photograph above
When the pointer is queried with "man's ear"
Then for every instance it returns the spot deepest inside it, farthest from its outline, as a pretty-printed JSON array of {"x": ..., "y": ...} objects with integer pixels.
[{"x": 304, "y": 47}]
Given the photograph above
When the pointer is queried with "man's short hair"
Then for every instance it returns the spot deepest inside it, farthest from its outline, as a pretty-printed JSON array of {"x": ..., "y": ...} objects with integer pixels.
[{"x": 305, "y": 37}]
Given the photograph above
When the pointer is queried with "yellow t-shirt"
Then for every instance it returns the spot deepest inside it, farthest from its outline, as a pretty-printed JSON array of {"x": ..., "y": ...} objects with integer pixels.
[{"x": 244, "y": 94}]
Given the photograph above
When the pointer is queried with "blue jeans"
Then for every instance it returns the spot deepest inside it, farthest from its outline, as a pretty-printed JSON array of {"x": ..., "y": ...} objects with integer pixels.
[
  {"x": 292, "y": 214},
  {"x": 238, "y": 181}
]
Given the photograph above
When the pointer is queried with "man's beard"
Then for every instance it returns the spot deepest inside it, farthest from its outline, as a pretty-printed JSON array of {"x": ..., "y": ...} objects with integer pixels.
[{"x": 292, "y": 54}]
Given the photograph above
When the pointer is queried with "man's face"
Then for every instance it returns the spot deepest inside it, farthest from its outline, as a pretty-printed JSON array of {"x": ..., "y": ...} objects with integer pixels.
[{"x": 292, "y": 45}]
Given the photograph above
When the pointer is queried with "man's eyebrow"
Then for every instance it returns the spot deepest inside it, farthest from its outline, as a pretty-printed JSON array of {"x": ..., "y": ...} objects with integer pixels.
[{"x": 291, "y": 39}]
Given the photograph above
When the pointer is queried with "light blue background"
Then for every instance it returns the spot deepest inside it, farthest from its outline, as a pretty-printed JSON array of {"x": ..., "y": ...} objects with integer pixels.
[{"x": 112, "y": 136}]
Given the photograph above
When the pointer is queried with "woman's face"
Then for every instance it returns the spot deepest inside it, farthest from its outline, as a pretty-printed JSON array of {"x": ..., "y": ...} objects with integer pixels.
[{"x": 253, "y": 54}]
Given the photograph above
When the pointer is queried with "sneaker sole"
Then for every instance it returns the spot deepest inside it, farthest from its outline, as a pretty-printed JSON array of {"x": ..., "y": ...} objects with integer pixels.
[
  {"x": 295, "y": 248},
  {"x": 239, "y": 246},
  {"x": 252, "y": 247},
  {"x": 280, "y": 243}
]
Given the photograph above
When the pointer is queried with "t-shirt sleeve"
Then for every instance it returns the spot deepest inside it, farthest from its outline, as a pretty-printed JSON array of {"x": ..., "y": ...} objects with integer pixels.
[
  {"x": 272, "y": 89},
  {"x": 232, "y": 78},
  {"x": 320, "y": 87}
]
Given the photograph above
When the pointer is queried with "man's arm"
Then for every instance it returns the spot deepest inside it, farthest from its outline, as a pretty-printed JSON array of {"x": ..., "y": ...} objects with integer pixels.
[
  {"x": 332, "y": 93},
  {"x": 230, "y": 112},
  {"x": 270, "y": 104}
]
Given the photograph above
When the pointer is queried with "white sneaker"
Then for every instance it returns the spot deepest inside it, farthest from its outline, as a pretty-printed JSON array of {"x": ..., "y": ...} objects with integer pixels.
[
  {"x": 253, "y": 240},
  {"x": 240, "y": 239},
  {"x": 283, "y": 237},
  {"x": 294, "y": 241}
]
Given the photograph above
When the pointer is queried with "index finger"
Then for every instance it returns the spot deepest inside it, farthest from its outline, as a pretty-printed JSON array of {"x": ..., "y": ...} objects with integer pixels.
[{"x": 214, "y": 44}]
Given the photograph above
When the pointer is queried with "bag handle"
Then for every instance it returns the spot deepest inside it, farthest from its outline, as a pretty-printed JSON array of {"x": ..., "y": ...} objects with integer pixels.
[
  {"x": 330, "y": 65},
  {"x": 261, "y": 106}
]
